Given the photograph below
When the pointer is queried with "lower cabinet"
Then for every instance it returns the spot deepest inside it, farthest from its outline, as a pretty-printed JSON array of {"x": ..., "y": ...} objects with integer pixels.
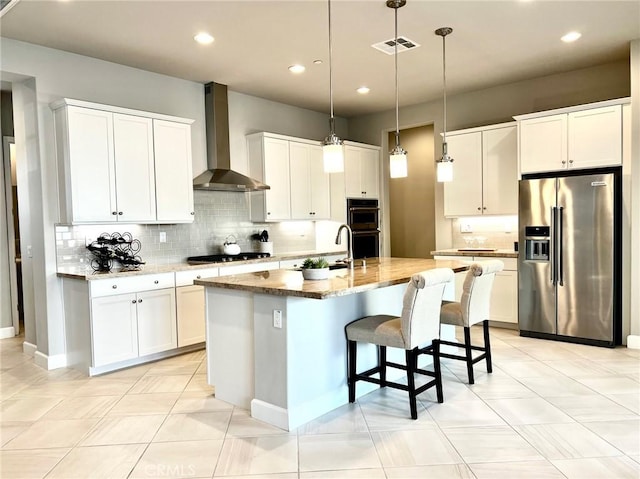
[
  {"x": 126, "y": 326},
  {"x": 191, "y": 315}
]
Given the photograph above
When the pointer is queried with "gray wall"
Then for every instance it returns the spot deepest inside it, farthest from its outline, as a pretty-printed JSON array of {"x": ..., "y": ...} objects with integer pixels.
[{"x": 53, "y": 74}]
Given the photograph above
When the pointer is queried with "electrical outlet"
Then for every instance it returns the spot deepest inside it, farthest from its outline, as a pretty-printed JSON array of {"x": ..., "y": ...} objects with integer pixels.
[
  {"x": 466, "y": 228},
  {"x": 163, "y": 237},
  {"x": 277, "y": 318}
]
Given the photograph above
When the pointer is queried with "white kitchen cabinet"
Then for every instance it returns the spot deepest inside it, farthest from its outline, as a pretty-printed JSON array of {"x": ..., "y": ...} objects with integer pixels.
[
  {"x": 117, "y": 164},
  {"x": 156, "y": 321},
  {"x": 595, "y": 137},
  {"x": 269, "y": 163},
  {"x": 190, "y": 306},
  {"x": 485, "y": 180},
  {"x": 309, "y": 182},
  {"x": 135, "y": 169},
  {"x": 86, "y": 165},
  {"x": 361, "y": 170},
  {"x": 586, "y": 136},
  {"x": 114, "y": 329},
  {"x": 173, "y": 168}
]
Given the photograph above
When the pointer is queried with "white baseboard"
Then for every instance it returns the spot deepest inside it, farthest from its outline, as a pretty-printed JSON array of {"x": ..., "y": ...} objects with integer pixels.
[
  {"x": 270, "y": 414},
  {"x": 633, "y": 341},
  {"x": 29, "y": 349},
  {"x": 9, "y": 332},
  {"x": 50, "y": 362}
]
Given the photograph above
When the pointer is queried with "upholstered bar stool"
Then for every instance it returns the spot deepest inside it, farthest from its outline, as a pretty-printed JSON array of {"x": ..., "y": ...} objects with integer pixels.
[
  {"x": 418, "y": 325},
  {"x": 473, "y": 308}
]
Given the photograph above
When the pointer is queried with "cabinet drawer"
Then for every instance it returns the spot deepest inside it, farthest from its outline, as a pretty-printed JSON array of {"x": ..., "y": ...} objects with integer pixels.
[
  {"x": 186, "y": 278},
  {"x": 108, "y": 287}
]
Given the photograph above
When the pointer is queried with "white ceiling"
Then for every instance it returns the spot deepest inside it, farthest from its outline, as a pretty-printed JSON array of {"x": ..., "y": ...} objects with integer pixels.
[{"x": 493, "y": 43}]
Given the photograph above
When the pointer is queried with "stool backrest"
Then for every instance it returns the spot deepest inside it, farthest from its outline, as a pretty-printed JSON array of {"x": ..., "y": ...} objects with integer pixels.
[
  {"x": 421, "y": 306},
  {"x": 476, "y": 292}
]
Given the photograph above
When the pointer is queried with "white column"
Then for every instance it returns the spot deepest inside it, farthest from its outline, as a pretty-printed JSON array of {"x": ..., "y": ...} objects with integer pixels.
[{"x": 633, "y": 340}]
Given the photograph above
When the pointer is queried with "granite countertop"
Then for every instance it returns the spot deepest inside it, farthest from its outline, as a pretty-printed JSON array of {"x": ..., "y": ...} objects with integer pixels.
[
  {"x": 379, "y": 273},
  {"x": 88, "y": 274},
  {"x": 495, "y": 253}
]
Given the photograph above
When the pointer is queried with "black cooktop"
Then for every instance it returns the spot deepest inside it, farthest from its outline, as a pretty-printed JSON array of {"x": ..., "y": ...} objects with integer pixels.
[{"x": 225, "y": 258}]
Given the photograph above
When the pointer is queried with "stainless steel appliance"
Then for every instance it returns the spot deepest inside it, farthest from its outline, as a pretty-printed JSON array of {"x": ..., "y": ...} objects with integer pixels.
[
  {"x": 363, "y": 216},
  {"x": 569, "y": 272},
  {"x": 226, "y": 258}
]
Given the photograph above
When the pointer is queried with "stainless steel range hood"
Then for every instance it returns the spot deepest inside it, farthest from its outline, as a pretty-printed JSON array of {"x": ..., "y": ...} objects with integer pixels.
[{"x": 220, "y": 176}]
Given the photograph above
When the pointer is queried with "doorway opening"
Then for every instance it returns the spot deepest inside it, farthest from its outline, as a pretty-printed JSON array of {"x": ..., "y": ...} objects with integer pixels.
[{"x": 412, "y": 199}]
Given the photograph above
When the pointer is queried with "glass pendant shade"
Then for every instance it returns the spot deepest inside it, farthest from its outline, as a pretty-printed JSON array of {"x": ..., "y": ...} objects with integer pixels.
[
  {"x": 444, "y": 170},
  {"x": 333, "y": 154},
  {"x": 397, "y": 163}
]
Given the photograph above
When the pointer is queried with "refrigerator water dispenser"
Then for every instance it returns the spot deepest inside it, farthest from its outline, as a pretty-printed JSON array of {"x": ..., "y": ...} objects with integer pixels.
[{"x": 536, "y": 242}]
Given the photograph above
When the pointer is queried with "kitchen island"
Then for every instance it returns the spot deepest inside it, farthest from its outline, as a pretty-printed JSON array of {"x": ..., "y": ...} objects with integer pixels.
[{"x": 275, "y": 342}]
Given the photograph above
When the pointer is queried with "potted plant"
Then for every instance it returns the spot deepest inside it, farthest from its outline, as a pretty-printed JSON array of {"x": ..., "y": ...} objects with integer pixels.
[{"x": 315, "y": 268}]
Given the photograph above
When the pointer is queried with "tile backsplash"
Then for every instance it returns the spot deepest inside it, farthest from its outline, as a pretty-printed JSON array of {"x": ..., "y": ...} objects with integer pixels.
[
  {"x": 218, "y": 215},
  {"x": 484, "y": 231}
]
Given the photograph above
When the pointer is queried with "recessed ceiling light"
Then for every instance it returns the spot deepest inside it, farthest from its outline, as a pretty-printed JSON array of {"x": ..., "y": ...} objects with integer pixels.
[
  {"x": 296, "y": 68},
  {"x": 363, "y": 90},
  {"x": 203, "y": 38},
  {"x": 571, "y": 37},
  {"x": 317, "y": 62}
]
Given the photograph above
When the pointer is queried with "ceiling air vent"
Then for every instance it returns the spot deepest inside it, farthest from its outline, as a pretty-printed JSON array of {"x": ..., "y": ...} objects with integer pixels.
[{"x": 388, "y": 46}]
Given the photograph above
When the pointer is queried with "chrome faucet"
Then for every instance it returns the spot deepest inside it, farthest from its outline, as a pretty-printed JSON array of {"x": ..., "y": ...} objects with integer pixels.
[{"x": 349, "y": 258}]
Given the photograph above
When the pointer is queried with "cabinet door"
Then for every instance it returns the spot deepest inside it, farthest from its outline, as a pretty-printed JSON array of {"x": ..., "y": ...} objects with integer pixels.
[
  {"x": 543, "y": 144},
  {"x": 276, "y": 175},
  {"x": 504, "y": 297},
  {"x": 463, "y": 195},
  {"x": 595, "y": 137},
  {"x": 135, "y": 173},
  {"x": 300, "y": 175},
  {"x": 500, "y": 171},
  {"x": 370, "y": 166},
  {"x": 156, "y": 321},
  {"x": 91, "y": 171},
  {"x": 190, "y": 315},
  {"x": 174, "y": 178},
  {"x": 114, "y": 330},
  {"x": 319, "y": 185},
  {"x": 352, "y": 168}
]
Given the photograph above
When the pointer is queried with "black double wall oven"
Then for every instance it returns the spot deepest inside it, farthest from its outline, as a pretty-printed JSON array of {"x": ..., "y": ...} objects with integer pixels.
[{"x": 363, "y": 216}]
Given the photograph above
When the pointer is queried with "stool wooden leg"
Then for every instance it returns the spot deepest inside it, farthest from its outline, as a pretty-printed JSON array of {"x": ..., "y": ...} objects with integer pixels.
[
  {"x": 411, "y": 360},
  {"x": 382, "y": 364},
  {"x": 351, "y": 365},
  {"x": 468, "y": 356},
  {"x": 487, "y": 345},
  {"x": 437, "y": 370}
]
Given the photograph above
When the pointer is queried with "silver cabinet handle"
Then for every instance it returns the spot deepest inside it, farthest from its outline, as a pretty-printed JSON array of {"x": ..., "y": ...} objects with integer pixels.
[
  {"x": 484, "y": 207},
  {"x": 120, "y": 213},
  {"x": 155, "y": 282},
  {"x": 139, "y": 301},
  {"x": 193, "y": 213},
  {"x": 114, "y": 213},
  {"x": 564, "y": 162},
  {"x": 115, "y": 286},
  {"x": 478, "y": 208},
  {"x": 198, "y": 277},
  {"x": 134, "y": 301}
]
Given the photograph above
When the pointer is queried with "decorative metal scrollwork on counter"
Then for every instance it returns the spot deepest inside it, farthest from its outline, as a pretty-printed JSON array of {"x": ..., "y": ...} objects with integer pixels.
[{"x": 115, "y": 247}]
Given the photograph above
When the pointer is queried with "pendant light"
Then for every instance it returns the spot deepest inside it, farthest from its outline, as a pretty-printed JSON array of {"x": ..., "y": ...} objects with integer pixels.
[
  {"x": 332, "y": 151},
  {"x": 397, "y": 156},
  {"x": 444, "y": 166}
]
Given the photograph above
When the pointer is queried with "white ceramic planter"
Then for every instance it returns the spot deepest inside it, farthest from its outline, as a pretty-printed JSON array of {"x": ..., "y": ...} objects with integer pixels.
[{"x": 319, "y": 273}]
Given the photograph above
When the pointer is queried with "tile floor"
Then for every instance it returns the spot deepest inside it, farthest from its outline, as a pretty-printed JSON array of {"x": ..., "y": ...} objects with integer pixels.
[{"x": 549, "y": 410}]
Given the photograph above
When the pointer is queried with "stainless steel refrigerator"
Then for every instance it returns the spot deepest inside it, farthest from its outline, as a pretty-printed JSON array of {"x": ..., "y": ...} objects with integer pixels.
[{"x": 569, "y": 272}]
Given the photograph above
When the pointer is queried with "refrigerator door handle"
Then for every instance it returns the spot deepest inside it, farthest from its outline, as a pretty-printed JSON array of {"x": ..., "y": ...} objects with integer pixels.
[
  {"x": 552, "y": 245},
  {"x": 560, "y": 246}
]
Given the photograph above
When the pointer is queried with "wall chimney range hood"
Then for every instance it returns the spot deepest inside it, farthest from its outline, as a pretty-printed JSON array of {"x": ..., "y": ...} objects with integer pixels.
[{"x": 220, "y": 176}]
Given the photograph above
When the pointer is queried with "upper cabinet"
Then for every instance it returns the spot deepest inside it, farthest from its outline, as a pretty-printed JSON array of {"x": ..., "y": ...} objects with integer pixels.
[
  {"x": 586, "y": 136},
  {"x": 361, "y": 170},
  {"x": 119, "y": 165},
  {"x": 293, "y": 169},
  {"x": 485, "y": 179}
]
